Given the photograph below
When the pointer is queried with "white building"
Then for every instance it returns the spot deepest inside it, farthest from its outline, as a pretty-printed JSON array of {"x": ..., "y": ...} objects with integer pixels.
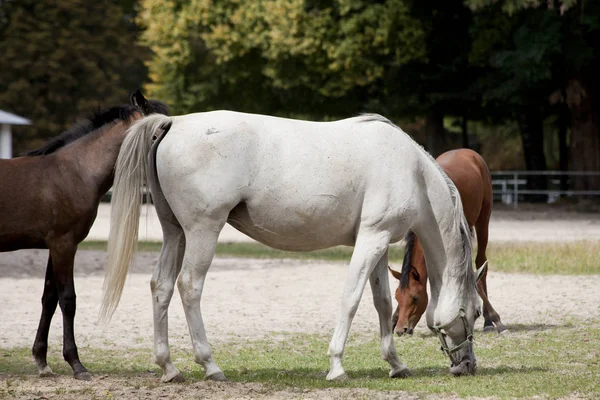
[{"x": 6, "y": 120}]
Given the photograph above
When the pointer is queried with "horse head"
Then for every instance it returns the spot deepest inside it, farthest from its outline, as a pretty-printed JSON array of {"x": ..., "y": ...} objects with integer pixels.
[
  {"x": 148, "y": 106},
  {"x": 411, "y": 295}
]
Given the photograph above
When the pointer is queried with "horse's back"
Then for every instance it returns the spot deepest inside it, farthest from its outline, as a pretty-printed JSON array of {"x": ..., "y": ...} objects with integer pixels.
[
  {"x": 469, "y": 172},
  {"x": 297, "y": 185}
]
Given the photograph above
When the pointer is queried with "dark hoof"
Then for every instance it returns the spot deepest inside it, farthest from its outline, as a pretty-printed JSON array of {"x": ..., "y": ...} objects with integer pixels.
[
  {"x": 489, "y": 328},
  {"x": 218, "y": 376},
  {"x": 401, "y": 373},
  {"x": 466, "y": 367},
  {"x": 83, "y": 376}
]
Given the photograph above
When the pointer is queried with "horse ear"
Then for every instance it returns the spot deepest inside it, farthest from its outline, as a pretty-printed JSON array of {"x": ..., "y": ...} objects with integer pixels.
[
  {"x": 137, "y": 99},
  {"x": 415, "y": 273},
  {"x": 395, "y": 273},
  {"x": 481, "y": 270}
]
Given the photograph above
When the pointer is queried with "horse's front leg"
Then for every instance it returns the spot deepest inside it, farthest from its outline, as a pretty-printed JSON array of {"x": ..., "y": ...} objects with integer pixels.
[
  {"x": 368, "y": 250},
  {"x": 379, "y": 281},
  {"x": 49, "y": 303},
  {"x": 63, "y": 257}
]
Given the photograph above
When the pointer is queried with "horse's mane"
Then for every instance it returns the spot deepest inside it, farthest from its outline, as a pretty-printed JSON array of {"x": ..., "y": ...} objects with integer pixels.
[
  {"x": 406, "y": 265},
  {"x": 93, "y": 123},
  {"x": 460, "y": 220}
]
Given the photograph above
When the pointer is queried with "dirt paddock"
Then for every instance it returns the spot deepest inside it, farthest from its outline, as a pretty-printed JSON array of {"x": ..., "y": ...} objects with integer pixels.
[{"x": 253, "y": 299}]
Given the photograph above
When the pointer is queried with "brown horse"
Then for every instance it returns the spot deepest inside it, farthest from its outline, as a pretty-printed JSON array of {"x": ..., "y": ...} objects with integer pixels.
[
  {"x": 49, "y": 199},
  {"x": 470, "y": 174}
]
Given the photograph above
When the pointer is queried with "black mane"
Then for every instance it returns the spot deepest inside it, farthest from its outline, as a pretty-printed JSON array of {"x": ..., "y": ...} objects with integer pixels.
[
  {"x": 406, "y": 265},
  {"x": 95, "y": 122}
]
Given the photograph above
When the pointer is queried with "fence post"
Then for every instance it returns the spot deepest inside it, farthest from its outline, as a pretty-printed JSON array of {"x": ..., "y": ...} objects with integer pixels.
[{"x": 516, "y": 189}]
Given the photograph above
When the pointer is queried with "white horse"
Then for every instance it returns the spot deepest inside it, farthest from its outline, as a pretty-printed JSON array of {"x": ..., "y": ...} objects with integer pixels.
[{"x": 292, "y": 185}]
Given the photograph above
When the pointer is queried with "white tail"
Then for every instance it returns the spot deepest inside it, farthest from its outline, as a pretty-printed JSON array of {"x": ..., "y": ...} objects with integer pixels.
[{"x": 130, "y": 176}]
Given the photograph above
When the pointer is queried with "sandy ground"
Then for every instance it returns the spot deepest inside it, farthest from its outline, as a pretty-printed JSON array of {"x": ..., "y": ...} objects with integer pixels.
[{"x": 253, "y": 299}]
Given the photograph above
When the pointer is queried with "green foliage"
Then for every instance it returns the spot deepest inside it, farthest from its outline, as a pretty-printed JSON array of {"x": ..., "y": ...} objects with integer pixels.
[
  {"x": 64, "y": 59},
  {"x": 522, "y": 53},
  {"x": 512, "y": 6},
  {"x": 274, "y": 55}
]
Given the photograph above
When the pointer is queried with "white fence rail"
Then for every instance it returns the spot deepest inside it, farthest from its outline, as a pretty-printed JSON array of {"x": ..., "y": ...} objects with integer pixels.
[{"x": 508, "y": 186}]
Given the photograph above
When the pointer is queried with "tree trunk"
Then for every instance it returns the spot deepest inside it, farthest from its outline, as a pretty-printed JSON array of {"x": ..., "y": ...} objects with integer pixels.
[
  {"x": 563, "y": 149},
  {"x": 585, "y": 137},
  {"x": 531, "y": 125},
  {"x": 436, "y": 134}
]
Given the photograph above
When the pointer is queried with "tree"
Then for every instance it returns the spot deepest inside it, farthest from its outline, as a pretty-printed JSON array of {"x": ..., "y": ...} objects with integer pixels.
[
  {"x": 443, "y": 83},
  {"x": 62, "y": 60},
  {"x": 521, "y": 51},
  {"x": 277, "y": 56},
  {"x": 551, "y": 69}
]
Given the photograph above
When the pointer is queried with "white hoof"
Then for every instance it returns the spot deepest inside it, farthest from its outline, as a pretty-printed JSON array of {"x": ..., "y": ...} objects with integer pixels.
[
  {"x": 339, "y": 378},
  {"x": 174, "y": 377}
]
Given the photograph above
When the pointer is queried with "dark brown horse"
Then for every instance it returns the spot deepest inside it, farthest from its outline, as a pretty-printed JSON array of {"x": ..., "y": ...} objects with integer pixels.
[
  {"x": 470, "y": 174},
  {"x": 49, "y": 199}
]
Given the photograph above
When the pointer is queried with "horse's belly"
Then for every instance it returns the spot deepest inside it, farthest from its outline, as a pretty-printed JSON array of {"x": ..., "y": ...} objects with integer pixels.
[{"x": 296, "y": 228}]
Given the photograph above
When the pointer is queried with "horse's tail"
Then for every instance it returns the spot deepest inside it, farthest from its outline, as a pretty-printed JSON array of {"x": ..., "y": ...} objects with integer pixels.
[{"x": 130, "y": 176}]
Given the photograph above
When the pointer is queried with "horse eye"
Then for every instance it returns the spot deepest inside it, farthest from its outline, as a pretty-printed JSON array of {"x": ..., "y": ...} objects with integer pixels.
[
  {"x": 415, "y": 299},
  {"x": 477, "y": 314}
]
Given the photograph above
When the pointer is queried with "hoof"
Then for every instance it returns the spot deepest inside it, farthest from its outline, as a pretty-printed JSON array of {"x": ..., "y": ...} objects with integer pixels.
[
  {"x": 339, "y": 378},
  {"x": 46, "y": 373},
  {"x": 466, "y": 367},
  {"x": 489, "y": 328},
  {"x": 217, "y": 376},
  {"x": 83, "y": 376},
  {"x": 400, "y": 373},
  {"x": 178, "y": 378},
  {"x": 503, "y": 332}
]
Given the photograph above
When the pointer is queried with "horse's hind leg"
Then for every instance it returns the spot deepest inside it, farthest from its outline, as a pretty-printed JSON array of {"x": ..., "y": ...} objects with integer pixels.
[
  {"x": 162, "y": 286},
  {"x": 368, "y": 250},
  {"x": 49, "y": 303},
  {"x": 383, "y": 304},
  {"x": 491, "y": 317},
  {"x": 63, "y": 257},
  {"x": 201, "y": 243}
]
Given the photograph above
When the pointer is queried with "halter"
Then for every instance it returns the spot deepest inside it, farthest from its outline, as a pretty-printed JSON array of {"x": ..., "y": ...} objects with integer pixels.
[{"x": 437, "y": 329}]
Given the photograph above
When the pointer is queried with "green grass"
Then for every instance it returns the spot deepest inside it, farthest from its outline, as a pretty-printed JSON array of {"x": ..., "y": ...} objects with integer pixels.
[
  {"x": 545, "y": 361},
  {"x": 576, "y": 258}
]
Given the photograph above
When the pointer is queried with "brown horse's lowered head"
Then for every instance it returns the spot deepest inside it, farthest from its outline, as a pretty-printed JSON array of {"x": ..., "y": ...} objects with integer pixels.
[
  {"x": 411, "y": 293},
  {"x": 412, "y": 300}
]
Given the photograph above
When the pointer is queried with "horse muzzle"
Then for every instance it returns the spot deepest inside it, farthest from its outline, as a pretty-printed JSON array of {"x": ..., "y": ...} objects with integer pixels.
[
  {"x": 459, "y": 366},
  {"x": 467, "y": 366}
]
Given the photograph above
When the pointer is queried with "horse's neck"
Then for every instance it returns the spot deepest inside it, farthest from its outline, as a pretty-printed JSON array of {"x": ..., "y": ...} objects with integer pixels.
[{"x": 97, "y": 154}]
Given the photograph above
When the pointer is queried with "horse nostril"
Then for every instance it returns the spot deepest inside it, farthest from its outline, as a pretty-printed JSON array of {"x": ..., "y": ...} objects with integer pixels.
[{"x": 410, "y": 332}]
